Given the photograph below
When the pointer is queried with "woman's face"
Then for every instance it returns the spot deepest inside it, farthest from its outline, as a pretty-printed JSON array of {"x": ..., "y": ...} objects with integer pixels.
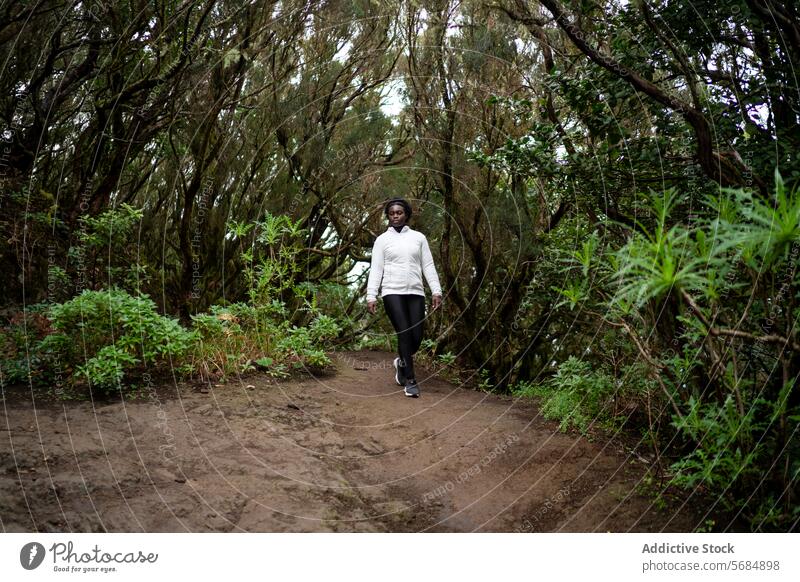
[{"x": 397, "y": 215}]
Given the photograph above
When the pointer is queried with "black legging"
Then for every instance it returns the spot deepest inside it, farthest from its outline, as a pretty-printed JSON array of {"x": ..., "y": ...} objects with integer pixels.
[{"x": 407, "y": 314}]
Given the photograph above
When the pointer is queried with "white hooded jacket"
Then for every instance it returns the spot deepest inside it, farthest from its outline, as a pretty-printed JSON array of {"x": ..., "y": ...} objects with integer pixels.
[{"x": 399, "y": 259}]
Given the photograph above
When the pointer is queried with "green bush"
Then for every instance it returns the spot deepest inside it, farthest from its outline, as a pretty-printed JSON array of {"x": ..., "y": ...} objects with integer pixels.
[
  {"x": 229, "y": 339},
  {"x": 577, "y": 396},
  {"x": 719, "y": 460},
  {"x": 101, "y": 335},
  {"x": 708, "y": 296},
  {"x": 237, "y": 337},
  {"x": 303, "y": 345},
  {"x": 232, "y": 339},
  {"x": 104, "y": 256},
  {"x": 732, "y": 449}
]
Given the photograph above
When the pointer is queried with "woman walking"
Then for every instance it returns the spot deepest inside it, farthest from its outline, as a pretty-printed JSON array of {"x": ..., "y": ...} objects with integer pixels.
[{"x": 400, "y": 256}]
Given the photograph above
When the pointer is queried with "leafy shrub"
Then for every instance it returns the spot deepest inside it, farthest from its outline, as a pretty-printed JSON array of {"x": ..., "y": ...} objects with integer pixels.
[
  {"x": 485, "y": 380},
  {"x": 228, "y": 340},
  {"x": 709, "y": 301},
  {"x": 719, "y": 459},
  {"x": 107, "y": 368},
  {"x": 101, "y": 335},
  {"x": 765, "y": 230},
  {"x": 732, "y": 449},
  {"x": 272, "y": 260},
  {"x": 303, "y": 344},
  {"x": 323, "y": 328},
  {"x": 662, "y": 260},
  {"x": 576, "y": 396},
  {"x": 234, "y": 338},
  {"x": 105, "y": 256}
]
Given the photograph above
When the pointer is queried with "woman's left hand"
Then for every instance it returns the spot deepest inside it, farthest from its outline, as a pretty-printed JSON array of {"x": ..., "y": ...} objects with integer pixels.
[{"x": 437, "y": 301}]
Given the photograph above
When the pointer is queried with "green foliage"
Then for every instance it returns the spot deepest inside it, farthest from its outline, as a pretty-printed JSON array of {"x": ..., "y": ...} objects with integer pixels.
[
  {"x": 105, "y": 337},
  {"x": 303, "y": 344},
  {"x": 110, "y": 229},
  {"x": 719, "y": 459},
  {"x": 732, "y": 449},
  {"x": 764, "y": 230},
  {"x": 19, "y": 360},
  {"x": 484, "y": 380},
  {"x": 232, "y": 338},
  {"x": 273, "y": 272},
  {"x": 573, "y": 294},
  {"x": 698, "y": 298},
  {"x": 272, "y": 264},
  {"x": 107, "y": 254},
  {"x": 662, "y": 260},
  {"x": 107, "y": 368},
  {"x": 102, "y": 335},
  {"x": 298, "y": 345},
  {"x": 577, "y": 268},
  {"x": 577, "y": 396},
  {"x": 323, "y": 328},
  {"x": 428, "y": 344}
]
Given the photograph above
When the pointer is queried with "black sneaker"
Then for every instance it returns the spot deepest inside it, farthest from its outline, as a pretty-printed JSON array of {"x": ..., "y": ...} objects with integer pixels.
[
  {"x": 399, "y": 373},
  {"x": 412, "y": 389}
]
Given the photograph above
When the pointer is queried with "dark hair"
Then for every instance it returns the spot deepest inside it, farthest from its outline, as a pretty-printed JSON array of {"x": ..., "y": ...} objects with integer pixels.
[{"x": 402, "y": 202}]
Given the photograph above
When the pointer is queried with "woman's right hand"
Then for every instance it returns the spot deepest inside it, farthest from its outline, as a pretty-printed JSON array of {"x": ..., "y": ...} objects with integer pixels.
[{"x": 372, "y": 306}]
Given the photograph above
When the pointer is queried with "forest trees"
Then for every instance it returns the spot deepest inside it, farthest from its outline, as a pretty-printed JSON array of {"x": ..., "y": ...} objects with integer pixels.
[
  {"x": 202, "y": 114},
  {"x": 613, "y": 128},
  {"x": 487, "y": 217}
]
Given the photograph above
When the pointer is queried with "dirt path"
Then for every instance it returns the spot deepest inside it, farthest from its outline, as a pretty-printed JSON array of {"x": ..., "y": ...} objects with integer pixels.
[{"x": 347, "y": 452}]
